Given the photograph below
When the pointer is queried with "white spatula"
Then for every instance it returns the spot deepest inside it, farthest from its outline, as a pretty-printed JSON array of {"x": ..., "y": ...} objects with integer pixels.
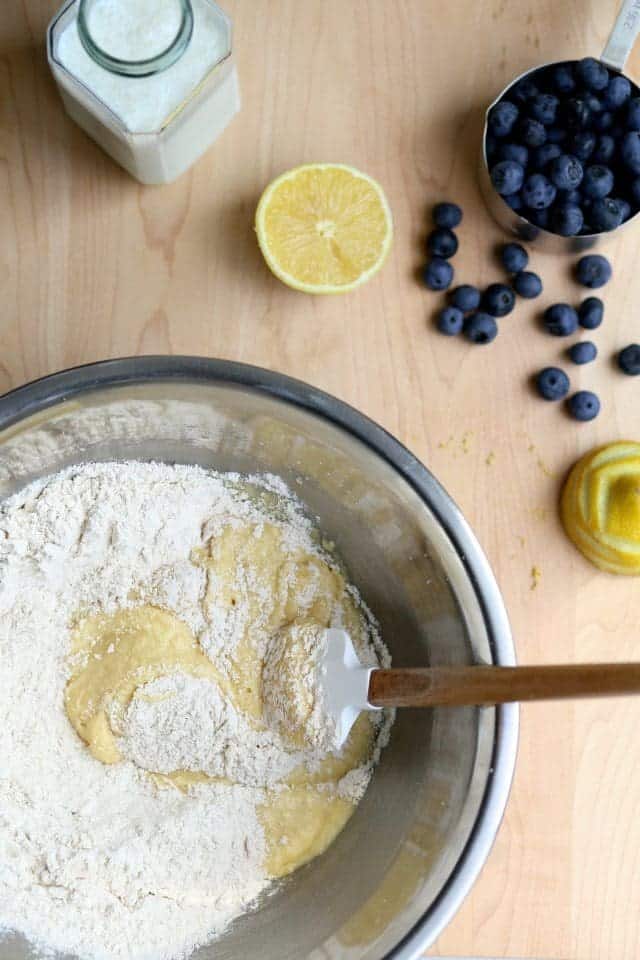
[{"x": 348, "y": 687}]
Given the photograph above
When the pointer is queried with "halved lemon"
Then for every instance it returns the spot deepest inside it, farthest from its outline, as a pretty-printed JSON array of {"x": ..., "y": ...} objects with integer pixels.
[{"x": 324, "y": 227}]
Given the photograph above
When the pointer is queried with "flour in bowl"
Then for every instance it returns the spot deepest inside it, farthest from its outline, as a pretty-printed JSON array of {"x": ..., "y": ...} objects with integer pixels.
[{"x": 155, "y": 728}]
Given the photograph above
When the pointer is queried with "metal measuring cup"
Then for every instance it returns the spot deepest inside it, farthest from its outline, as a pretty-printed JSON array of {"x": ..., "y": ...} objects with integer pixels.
[{"x": 614, "y": 56}]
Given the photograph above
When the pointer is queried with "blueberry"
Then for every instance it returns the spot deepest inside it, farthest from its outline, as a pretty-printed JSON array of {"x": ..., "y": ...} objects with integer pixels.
[
  {"x": 543, "y": 107},
  {"x": 527, "y": 284},
  {"x": 507, "y": 176},
  {"x": 556, "y": 134},
  {"x": 590, "y": 313},
  {"x": 442, "y": 243},
  {"x": 532, "y": 132},
  {"x": 603, "y": 122},
  {"x": 491, "y": 145},
  {"x": 502, "y": 118},
  {"x": 569, "y": 196},
  {"x": 514, "y": 257},
  {"x": 514, "y": 200},
  {"x": 480, "y": 328},
  {"x": 635, "y": 191},
  {"x": 560, "y": 320},
  {"x": 538, "y": 192},
  {"x": 593, "y": 74},
  {"x": 552, "y": 383},
  {"x": 582, "y": 144},
  {"x": 524, "y": 90},
  {"x": 593, "y": 103},
  {"x": 625, "y": 209},
  {"x": 583, "y": 352},
  {"x": 498, "y": 299},
  {"x": 566, "y": 172},
  {"x": 593, "y": 271},
  {"x": 584, "y": 405},
  {"x": 629, "y": 360},
  {"x": 447, "y": 215},
  {"x": 617, "y": 92},
  {"x": 545, "y": 154},
  {"x": 563, "y": 78},
  {"x": 566, "y": 219},
  {"x": 633, "y": 114},
  {"x": 540, "y": 218},
  {"x": 450, "y": 321},
  {"x": 514, "y": 151},
  {"x": 597, "y": 181},
  {"x": 605, "y": 149},
  {"x": 576, "y": 113},
  {"x": 465, "y": 297},
  {"x": 630, "y": 151},
  {"x": 605, "y": 214},
  {"x": 438, "y": 274}
]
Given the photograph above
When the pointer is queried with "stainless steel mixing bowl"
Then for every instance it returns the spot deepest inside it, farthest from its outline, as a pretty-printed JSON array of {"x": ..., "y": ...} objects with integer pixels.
[{"x": 401, "y": 868}]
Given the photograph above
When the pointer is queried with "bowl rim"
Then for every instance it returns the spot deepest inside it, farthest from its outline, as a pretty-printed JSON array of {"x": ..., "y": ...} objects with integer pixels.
[{"x": 55, "y": 388}]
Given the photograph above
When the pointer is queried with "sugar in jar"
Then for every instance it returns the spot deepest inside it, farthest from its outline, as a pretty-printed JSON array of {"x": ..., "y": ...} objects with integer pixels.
[{"x": 153, "y": 82}]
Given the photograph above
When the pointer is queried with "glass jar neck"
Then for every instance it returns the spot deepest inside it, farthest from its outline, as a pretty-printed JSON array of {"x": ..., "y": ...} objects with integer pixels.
[{"x": 136, "y": 68}]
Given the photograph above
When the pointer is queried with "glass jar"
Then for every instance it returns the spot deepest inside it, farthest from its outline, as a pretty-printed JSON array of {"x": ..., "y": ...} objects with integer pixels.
[{"x": 153, "y": 82}]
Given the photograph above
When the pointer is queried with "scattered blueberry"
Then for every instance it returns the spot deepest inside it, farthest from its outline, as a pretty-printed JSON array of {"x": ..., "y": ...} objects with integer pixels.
[
  {"x": 556, "y": 134},
  {"x": 630, "y": 151},
  {"x": 593, "y": 271},
  {"x": 563, "y": 78},
  {"x": 560, "y": 320},
  {"x": 502, "y": 118},
  {"x": 524, "y": 90},
  {"x": 583, "y": 352},
  {"x": 438, "y": 274},
  {"x": 514, "y": 200},
  {"x": 590, "y": 313},
  {"x": 617, "y": 92},
  {"x": 543, "y": 108},
  {"x": 450, "y": 321},
  {"x": 567, "y": 219},
  {"x": 584, "y": 405},
  {"x": 538, "y": 192},
  {"x": 633, "y": 114},
  {"x": 480, "y": 328},
  {"x": 593, "y": 74},
  {"x": 498, "y": 299},
  {"x": 447, "y": 215},
  {"x": 442, "y": 243},
  {"x": 545, "y": 154},
  {"x": 582, "y": 144},
  {"x": 514, "y": 151},
  {"x": 604, "y": 150},
  {"x": 629, "y": 360},
  {"x": 527, "y": 284},
  {"x": 552, "y": 383},
  {"x": 597, "y": 182},
  {"x": 465, "y": 297},
  {"x": 532, "y": 132},
  {"x": 514, "y": 257},
  {"x": 566, "y": 172},
  {"x": 606, "y": 214},
  {"x": 507, "y": 176}
]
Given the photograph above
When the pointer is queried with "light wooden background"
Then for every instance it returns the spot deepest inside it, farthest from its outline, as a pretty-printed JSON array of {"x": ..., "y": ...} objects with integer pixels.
[{"x": 93, "y": 266}]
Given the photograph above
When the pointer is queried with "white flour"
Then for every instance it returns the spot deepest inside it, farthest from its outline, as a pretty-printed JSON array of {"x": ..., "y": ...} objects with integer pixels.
[{"x": 95, "y": 860}]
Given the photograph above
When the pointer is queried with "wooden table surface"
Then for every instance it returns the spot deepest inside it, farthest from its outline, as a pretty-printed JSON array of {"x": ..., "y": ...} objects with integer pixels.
[{"x": 92, "y": 265}]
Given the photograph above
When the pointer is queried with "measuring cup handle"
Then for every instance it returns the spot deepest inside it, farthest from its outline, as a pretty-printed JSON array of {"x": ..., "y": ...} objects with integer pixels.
[{"x": 623, "y": 36}]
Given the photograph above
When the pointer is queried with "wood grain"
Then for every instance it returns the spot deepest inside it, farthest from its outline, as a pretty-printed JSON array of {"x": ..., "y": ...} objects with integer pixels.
[{"x": 92, "y": 265}]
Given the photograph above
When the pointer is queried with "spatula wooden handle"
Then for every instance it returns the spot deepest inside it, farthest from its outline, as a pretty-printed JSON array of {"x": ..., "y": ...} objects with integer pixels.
[{"x": 476, "y": 686}]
